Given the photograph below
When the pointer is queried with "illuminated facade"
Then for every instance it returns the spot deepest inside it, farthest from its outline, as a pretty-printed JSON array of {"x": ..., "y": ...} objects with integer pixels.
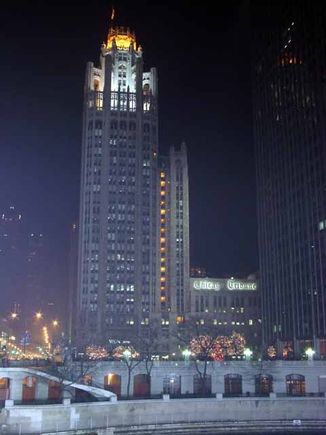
[
  {"x": 290, "y": 136},
  {"x": 127, "y": 212},
  {"x": 227, "y": 305},
  {"x": 174, "y": 237}
]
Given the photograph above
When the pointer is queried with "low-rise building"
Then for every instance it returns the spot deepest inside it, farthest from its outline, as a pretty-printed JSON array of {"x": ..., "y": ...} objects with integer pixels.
[{"x": 229, "y": 305}]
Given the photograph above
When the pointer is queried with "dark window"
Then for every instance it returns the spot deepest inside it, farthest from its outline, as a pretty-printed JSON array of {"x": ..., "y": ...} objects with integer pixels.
[
  {"x": 172, "y": 385},
  {"x": 142, "y": 385},
  {"x": 203, "y": 387},
  {"x": 295, "y": 385},
  {"x": 232, "y": 384},
  {"x": 263, "y": 384}
]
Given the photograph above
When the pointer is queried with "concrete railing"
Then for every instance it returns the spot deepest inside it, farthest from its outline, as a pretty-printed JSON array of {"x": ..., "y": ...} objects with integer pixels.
[{"x": 59, "y": 418}]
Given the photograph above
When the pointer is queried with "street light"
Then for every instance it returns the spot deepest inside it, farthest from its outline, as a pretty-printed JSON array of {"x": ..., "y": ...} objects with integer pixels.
[
  {"x": 55, "y": 323},
  {"x": 38, "y": 315},
  {"x": 127, "y": 354},
  {"x": 247, "y": 353},
  {"x": 14, "y": 315},
  {"x": 186, "y": 354},
  {"x": 310, "y": 353}
]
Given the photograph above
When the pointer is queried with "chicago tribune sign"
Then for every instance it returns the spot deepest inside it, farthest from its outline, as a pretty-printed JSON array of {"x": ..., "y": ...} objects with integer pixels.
[
  {"x": 233, "y": 284},
  {"x": 206, "y": 285},
  {"x": 222, "y": 284}
]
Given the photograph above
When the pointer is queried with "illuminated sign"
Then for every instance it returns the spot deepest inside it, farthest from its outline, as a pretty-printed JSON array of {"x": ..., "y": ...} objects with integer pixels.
[
  {"x": 206, "y": 285},
  {"x": 233, "y": 284},
  {"x": 222, "y": 284}
]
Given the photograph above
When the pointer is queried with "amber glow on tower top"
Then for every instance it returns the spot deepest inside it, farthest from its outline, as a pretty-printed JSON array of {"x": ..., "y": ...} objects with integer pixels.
[{"x": 122, "y": 37}]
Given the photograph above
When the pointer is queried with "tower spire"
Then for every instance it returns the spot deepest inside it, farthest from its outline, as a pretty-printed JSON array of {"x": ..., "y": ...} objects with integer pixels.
[{"x": 112, "y": 14}]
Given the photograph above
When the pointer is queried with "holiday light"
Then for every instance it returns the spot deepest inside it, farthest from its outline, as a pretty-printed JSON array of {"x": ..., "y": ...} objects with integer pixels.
[
  {"x": 96, "y": 352},
  {"x": 207, "y": 347}
]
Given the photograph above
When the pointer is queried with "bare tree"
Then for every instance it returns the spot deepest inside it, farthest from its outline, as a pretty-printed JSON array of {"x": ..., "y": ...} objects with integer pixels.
[
  {"x": 130, "y": 357},
  {"x": 202, "y": 343},
  {"x": 150, "y": 346},
  {"x": 69, "y": 372}
]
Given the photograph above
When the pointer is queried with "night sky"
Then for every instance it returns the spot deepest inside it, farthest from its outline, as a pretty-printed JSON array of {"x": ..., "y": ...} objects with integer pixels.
[{"x": 203, "y": 62}]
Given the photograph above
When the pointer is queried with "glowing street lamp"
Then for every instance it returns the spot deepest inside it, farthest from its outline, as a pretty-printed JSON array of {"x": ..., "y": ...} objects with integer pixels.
[
  {"x": 310, "y": 353},
  {"x": 38, "y": 315},
  {"x": 14, "y": 315},
  {"x": 127, "y": 354},
  {"x": 247, "y": 353},
  {"x": 55, "y": 323},
  {"x": 186, "y": 354}
]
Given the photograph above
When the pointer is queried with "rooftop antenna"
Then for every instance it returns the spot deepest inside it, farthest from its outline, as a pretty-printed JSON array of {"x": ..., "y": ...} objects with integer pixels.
[{"x": 112, "y": 14}]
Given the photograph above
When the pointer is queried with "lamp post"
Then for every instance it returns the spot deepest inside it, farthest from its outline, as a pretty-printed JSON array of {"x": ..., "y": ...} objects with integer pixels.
[
  {"x": 38, "y": 315},
  {"x": 247, "y": 353},
  {"x": 310, "y": 353},
  {"x": 186, "y": 354},
  {"x": 127, "y": 354}
]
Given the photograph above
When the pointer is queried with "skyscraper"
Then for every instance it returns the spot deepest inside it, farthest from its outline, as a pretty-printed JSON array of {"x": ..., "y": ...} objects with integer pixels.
[
  {"x": 123, "y": 272},
  {"x": 290, "y": 136},
  {"x": 12, "y": 257}
]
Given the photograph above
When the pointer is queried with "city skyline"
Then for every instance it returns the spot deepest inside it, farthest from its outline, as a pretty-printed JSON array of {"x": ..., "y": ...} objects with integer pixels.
[{"x": 221, "y": 162}]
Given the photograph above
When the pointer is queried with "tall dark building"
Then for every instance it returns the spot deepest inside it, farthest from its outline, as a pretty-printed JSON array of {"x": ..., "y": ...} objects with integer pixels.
[
  {"x": 72, "y": 283},
  {"x": 12, "y": 257},
  {"x": 290, "y": 139},
  {"x": 127, "y": 265}
]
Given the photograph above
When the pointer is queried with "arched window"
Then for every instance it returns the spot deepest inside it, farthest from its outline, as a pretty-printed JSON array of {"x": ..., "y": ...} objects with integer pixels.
[
  {"x": 263, "y": 384},
  {"x": 295, "y": 385},
  {"x": 112, "y": 382},
  {"x": 4, "y": 388},
  {"x": 201, "y": 387},
  {"x": 142, "y": 385},
  {"x": 29, "y": 389},
  {"x": 233, "y": 384},
  {"x": 54, "y": 390},
  {"x": 96, "y": 85},
  {"x": 172, "y": 385},
  {"x": 146, "y": 88}
]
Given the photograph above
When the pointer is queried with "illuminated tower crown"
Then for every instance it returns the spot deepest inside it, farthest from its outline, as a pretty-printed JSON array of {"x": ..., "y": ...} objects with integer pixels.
[{"x": 121, "y": 37}]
